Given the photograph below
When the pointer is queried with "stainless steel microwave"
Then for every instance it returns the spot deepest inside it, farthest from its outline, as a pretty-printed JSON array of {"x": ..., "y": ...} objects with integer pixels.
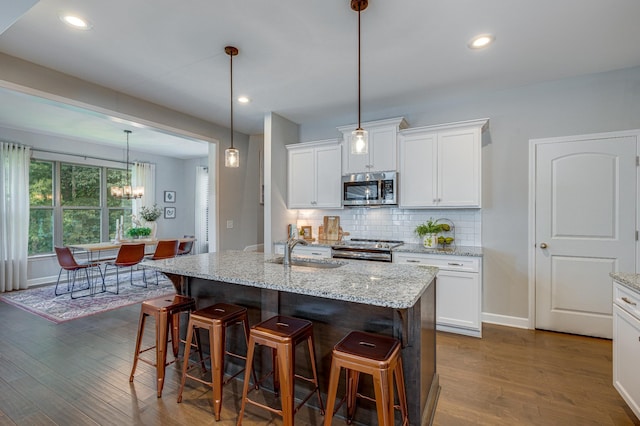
[{"x": 369, "y": 189}]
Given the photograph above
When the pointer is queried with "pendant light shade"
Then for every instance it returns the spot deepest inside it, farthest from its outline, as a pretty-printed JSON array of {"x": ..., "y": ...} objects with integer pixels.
[
  {"x": 128, "y": 191},
  {"x": 231, "y": 155},
  {"x": 359, "y": 137}
]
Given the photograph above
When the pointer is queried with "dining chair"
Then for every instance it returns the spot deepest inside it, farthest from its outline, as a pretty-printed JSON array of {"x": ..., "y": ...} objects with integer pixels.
[
  {"x": 186, "y": 247},
  {"x": 129, "y": 255},
  {"x": 165, "y": 249},
  {"x": 68, "y": 263}
]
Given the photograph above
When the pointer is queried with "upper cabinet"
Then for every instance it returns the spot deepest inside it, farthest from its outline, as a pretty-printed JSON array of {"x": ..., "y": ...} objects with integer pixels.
[
  {"x": 383, "y": 140},
  {"x": 440, "y": 166},
  {"x": 314, "y": 175}
]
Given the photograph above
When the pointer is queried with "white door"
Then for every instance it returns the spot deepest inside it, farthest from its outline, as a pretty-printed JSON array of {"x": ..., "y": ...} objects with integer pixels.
[{"x": 585, "y": 202}]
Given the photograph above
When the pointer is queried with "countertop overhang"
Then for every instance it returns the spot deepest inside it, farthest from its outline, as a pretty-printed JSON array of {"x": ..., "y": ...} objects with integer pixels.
[{"x": 373, "y": 283}]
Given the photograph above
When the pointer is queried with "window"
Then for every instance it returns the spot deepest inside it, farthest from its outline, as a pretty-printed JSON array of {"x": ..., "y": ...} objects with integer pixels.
[
  {"x": 41, "y": 207},
  {"x": 71, "y": 204}
]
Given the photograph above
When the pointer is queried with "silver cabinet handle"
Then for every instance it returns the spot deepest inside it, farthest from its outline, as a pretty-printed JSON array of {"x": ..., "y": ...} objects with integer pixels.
[
  {"x": 455, "y": 264},
  {"x": 412, "y": 261},
  {"x": 626, "y": 300},
  {"x": 543, "y": 245},
  {"x": 316, "y": 254}
]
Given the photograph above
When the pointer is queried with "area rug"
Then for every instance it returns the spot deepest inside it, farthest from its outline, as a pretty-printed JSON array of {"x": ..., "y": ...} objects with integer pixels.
[{"x": 42, "y": 301}]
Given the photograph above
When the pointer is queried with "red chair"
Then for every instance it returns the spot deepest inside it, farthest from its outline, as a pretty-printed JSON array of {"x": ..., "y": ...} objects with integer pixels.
[
  {"x": 68, "y": 263},
  {"x": 185, "y": 247},
  {"x": 129, "y": 255},
  {"x": 165, "y": 249}
]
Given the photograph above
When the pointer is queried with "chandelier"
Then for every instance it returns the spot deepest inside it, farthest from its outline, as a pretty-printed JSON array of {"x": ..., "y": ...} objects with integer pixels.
[{"x": 127, "y": 192}]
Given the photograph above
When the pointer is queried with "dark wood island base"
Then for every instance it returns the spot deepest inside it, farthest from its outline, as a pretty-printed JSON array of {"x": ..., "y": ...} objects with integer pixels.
[{"x": 332, "y": 320}]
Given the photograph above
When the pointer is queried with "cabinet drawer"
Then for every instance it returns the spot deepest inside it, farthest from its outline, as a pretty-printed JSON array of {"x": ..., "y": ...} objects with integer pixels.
[
  {"x": 627, "y": 299},
  {"x": 319, "y": 252},
  {"x": 447, "y": 263}
]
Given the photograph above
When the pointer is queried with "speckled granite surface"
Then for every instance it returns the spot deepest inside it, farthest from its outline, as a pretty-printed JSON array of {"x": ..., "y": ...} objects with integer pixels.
[
  {"x": 419, "y": 248},
  {"x": 373, "y": 283},
  {"x": 629, "y": 279},
  {"x": 456, "y": 251}
]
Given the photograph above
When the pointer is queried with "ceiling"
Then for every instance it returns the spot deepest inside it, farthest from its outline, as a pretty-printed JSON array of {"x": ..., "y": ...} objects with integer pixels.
[{"x": 299, "y": 58}]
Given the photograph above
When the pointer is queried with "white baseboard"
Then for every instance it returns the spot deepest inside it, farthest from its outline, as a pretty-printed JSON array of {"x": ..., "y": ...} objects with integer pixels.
[
  {"x": 34, "y": 282},
  {"x": 509, "y": 321}
]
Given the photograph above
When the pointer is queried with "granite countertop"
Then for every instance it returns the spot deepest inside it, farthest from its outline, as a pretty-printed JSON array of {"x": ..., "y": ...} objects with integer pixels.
[
  {"x": 455, "y": 251},
  {"x": 413, "y": 248},
  {"x": 373, "y": 283},
  {"x": 628, "y": 279}
]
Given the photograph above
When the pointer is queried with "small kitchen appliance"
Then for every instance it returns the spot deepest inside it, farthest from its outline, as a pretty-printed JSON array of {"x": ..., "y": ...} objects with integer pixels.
[{"x": 369, "y": 189}]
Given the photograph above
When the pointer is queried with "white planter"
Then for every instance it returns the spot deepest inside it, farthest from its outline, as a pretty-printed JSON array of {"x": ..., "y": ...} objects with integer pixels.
[
  {"x": 154, "y": 228},
  {"x": 430, "y": 241}
]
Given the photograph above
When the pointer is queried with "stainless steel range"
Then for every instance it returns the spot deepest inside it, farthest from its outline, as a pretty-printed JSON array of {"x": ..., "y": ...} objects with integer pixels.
[{"x": 365, "y": 249}]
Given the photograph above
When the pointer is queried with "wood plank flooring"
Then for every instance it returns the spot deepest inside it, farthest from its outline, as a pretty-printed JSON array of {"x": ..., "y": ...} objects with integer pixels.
[{"x": 77, "y": 373}]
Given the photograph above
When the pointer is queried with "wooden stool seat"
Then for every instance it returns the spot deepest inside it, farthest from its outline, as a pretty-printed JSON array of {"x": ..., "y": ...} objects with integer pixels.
[
  {"x": 282, "y": 334},
  {"x": 166, "y": 312},
  {"x": 216, "y": 319},
  {"x": 373, "y": 354}
]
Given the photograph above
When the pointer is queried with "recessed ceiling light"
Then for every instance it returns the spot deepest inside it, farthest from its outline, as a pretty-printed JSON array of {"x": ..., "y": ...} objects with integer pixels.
[
  {"x": 75, "y": 21},
  {"x": 243, "y": 99},
  {"x": 481, "y": 41}
]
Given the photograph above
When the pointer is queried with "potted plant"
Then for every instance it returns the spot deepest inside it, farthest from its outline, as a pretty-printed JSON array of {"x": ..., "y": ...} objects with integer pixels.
[
  {"x": 149, "y": 215},
  {"x": 139, "y": 232},
  {"x": 428, "y": 231}
]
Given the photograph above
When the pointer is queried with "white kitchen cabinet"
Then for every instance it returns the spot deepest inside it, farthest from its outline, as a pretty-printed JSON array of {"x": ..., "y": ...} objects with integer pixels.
[
  {"x": 383, "y": 143},
  {"x": 458, "y": 290},
  {"x": 310, "y": 251},
  {"x": 313, "y": 175},
  {"x": 440, "y": 166},
  {"x": 626, "y": 345}
]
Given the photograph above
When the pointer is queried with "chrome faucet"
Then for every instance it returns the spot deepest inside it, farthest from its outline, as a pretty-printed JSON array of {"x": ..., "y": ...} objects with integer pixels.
[{"x": 288, "y": 248}]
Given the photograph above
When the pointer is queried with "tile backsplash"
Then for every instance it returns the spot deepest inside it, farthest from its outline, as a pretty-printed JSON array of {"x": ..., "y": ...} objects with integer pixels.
[{"x": 397, "y": 224}]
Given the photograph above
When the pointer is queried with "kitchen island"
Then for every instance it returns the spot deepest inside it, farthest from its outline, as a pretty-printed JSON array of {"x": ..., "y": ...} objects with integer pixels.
[{"x": 338, "y": 297}]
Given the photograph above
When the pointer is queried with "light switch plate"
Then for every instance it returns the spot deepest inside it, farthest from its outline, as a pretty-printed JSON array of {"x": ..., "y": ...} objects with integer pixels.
[{"x": 229, "y": 224}]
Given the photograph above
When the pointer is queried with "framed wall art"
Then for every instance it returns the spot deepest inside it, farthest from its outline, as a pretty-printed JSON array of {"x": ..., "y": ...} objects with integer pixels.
[
  {"x": 169, "y": 196},
  {"x": 169, "y": 212}
]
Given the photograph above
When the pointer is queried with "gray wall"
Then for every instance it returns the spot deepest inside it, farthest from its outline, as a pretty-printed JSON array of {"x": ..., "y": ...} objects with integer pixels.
[{"x": 587, "y": 104}]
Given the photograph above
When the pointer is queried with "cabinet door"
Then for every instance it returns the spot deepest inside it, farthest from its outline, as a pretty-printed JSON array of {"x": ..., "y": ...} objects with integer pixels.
[
  {"x": 459, "y": 168},
  {"x": 301, "y": 178},
  {"x": 328, "y": 167},
  {"x": 626, "y": 353},
  {"x": 457, "y": 299},
  {"x": 382, "y": 149},
  {"x": 353, "y": 163},
  {"x": 418, "y": 172}
]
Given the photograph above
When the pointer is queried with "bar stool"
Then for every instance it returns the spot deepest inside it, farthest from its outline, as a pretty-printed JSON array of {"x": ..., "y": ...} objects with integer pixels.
[
  {"x": 216, "y": 319},
  {"x": 166, "y": 312},
  {"x": 374, "y": 354},
  {"x": 282, "y": 334}
]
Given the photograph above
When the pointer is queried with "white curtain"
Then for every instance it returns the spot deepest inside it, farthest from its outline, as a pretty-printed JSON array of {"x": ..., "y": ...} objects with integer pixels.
[
  {"x": 202, "y": 210},
  {"x": 144, "y": 174},
  {"x": 14, "y": 212}
]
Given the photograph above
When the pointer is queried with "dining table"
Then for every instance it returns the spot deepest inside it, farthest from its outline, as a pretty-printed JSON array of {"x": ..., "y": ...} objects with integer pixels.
[{"x": 95, "y": 251}]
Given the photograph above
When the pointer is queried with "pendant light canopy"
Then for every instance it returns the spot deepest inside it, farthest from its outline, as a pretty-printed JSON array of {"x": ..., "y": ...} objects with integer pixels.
[
  {"x": 231, "y": 155},
  {"x": 359, "y": 137},
  {"x": 127, "y": 192}
]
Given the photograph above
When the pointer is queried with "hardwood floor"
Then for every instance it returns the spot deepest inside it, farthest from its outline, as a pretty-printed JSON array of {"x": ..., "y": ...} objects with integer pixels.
[{"x": 77, "y": 373}]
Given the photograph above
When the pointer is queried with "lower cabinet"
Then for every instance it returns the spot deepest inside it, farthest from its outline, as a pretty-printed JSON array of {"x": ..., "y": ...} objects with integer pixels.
[
  {"x": 317, "y": 252},
  {"x": 626, "y": 345},
  {"x": 458, "y": 290}
]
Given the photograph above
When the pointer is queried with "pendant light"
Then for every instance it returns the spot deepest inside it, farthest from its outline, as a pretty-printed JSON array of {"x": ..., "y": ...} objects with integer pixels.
[
  {"x": 359, "y": 137},
  {"x": 127, "y": 192},
  {"x": 231, "y": 155}
]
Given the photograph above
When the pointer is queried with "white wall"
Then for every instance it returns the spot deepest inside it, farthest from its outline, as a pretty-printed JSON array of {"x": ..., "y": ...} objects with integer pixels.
[{"x": 587, "y": 104}]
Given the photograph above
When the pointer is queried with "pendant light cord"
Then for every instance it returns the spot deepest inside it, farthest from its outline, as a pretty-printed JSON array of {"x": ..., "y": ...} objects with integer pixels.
[
  {"x": 359, "y": 10},
  {"x": 231, "y": 96}
]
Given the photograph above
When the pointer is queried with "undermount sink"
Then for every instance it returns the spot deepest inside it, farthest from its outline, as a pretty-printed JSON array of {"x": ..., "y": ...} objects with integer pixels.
[{"x": 310, "y": 263}]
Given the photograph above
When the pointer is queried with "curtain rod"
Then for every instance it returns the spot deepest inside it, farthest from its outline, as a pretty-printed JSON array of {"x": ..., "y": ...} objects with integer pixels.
[{"x": 49, "y": 151}]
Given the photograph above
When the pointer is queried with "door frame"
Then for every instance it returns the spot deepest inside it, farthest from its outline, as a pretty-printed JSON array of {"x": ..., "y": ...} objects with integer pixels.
[{"x": 531, "y": 241}]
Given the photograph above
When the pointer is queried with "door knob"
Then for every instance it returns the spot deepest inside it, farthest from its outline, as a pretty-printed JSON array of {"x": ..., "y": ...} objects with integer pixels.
[{"x": 543, "y": 245}]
